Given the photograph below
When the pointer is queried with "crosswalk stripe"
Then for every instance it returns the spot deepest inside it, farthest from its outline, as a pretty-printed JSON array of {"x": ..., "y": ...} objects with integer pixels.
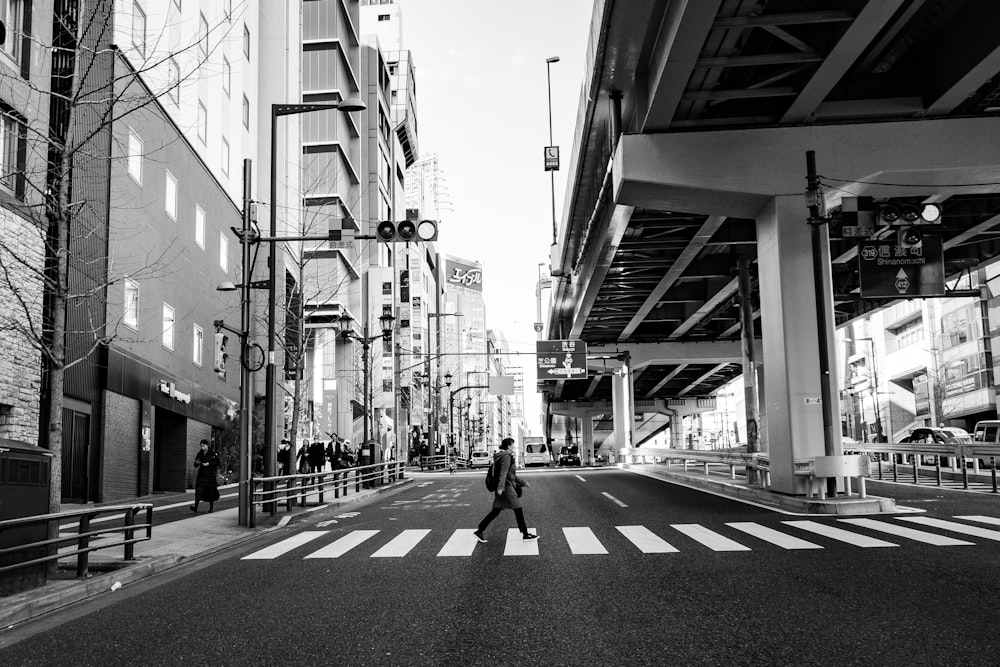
[
  {"x": 975, "y": 531},
  {"x": 773, "y": 536},
  {"x": 518, "y": 546},
  {"x": 835, "y": 533},
  {"x": 583, "y": 541},
  {"x": 903, "y": 531},
  {"x": 646, "y": 540},
  {"x": 343, "y": 545},
  {"x": 981, "y": 519},
  {"x": 402, "y": 544},
  {"x": 461, "y": 543},
  {"x": 285, "y": 545},
  {"x": 709, "y": 538}
]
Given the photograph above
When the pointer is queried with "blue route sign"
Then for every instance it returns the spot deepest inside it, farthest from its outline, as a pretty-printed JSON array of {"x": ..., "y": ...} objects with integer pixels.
[
  {"x": 561, "y": 360},
  {"x": 887, "y": 269}
]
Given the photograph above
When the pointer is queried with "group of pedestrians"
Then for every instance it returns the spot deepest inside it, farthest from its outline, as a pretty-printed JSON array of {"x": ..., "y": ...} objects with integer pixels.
[{"x": 313, "y": 457}]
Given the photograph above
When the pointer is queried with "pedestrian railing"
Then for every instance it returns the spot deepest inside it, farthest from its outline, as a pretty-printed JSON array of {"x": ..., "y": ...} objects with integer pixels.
[
  {"x": 82, "y": 538},
  {"x": 439, "y": 462},
  {"x": 292, "y": 490},
  {"x": 904, "y": 461}
]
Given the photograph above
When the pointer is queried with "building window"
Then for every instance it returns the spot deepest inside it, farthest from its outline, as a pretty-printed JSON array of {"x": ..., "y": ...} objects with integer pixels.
[
  {"x": 387, "y": 288},
  {"x": 170, "y": 197},
  {"x": 227, "y": 75},
  {"x": 383, "y": 17},
  {"x": 246, "y": 41},
  {"x": 134, "y": 156},
  {"x": 203, "y": 35},
  {"x": 197, "y": 343},
  {"x": 225, "y": 157},
  {"x": 174, "y": 81},
  {"x": 130, "y": 314},
  {"x": 11, "y": 13},
  {"x": 246, "y": 112},
  {"x": 10, "y": 135},
  {"x": 168, "y": 326},
  {"x": 199, "y": 226},
  {"x": 138, "y": 28},
  {"x": 202, "y": 122},
  {"x": 223, "y": 252}
]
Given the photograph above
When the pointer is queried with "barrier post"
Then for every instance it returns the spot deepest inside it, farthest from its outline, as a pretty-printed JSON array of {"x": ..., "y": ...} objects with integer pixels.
[
  {"x": 129, "y": 533},
  {"x": 83, "y": 542}
]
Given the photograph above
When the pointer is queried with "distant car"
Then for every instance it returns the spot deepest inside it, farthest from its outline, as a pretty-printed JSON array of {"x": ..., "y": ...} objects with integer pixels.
[
  {"x": 480, "y": 460},
  {"x": 569, "y": 456}
]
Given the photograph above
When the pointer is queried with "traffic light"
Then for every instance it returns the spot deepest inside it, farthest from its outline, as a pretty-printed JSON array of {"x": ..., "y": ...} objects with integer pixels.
[
  {"x": 910, "y": 237},
  {"x": 407, "y": 231},
  {"x": 908, "y": 212},
  {"x": 220, "y": 354}
]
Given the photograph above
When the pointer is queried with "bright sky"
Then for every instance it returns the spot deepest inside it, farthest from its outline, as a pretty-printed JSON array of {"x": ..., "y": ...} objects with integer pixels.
[{"x": 482, "y": 106}]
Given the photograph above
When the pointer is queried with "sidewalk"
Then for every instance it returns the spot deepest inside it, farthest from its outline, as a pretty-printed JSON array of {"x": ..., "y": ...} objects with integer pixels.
[{"x": 171, "y": 544}]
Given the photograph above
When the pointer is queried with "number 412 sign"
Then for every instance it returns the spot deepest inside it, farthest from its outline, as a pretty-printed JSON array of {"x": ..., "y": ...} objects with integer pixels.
[{"x": 561, "y": 360}]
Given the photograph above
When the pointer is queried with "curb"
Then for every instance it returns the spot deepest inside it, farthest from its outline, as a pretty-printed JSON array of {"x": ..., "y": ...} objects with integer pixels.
[{"x": 846, "y": 506}]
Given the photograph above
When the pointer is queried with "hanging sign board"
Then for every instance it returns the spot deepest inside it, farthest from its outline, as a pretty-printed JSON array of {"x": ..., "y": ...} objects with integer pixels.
[{"x": 562, "y": 359}]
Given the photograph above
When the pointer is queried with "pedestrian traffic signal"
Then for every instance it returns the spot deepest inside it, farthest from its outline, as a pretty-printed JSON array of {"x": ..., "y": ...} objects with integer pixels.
[
  {"x": 406, "y": 231},
  {"x": 220, "y": 354}
]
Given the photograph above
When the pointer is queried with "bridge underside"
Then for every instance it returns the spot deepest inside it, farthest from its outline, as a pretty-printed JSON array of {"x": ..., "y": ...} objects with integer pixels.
[{"x": 690, "y": 158}]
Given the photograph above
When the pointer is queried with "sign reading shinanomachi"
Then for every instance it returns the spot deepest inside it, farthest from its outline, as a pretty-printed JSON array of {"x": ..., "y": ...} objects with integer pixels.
[{"x": 887, "y": 269}]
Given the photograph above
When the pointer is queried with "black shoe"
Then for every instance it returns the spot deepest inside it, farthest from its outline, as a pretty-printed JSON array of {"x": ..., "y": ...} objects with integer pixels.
[
  {"x": 193, "y": 509},
  {"x": 529, "y": 536},
  {"x": 479, "y": 536}
]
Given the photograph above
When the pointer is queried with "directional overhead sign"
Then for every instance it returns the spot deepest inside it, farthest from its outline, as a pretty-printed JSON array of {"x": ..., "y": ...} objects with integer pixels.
[
  {"x": 562, "y": 359},
  {"x": 888, "y": 269}
]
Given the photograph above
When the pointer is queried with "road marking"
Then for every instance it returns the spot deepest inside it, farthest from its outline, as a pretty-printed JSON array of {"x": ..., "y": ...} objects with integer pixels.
[
  {"x": 324, "y": 524},
  {"x": 839, "y": 534},
  {"x": 285, "y": 545},
  {"x": 613, "y": 499},
  {"x": 580, "y": 477},
  {"x": 903, "y": 531},
  {"x": 518, "y": 546},
  {"x": 583, "y": 541},
  {"x": 402, "y": 544},
  {"x": 975, "y": 531},
  {"x": 461, "y": 543},
  {"x": 709, "y": 538},
  {"x": 981, "y": 519},
  {"x": 343, "y": 545},
  {"x": 773, "y": 536},
  {"x": 348, "y": 515},
  {"x": 645, "y": 540}
]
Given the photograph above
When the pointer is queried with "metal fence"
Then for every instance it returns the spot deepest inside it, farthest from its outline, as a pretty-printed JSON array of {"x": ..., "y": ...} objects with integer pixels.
[{"x": 83, "y": 536}]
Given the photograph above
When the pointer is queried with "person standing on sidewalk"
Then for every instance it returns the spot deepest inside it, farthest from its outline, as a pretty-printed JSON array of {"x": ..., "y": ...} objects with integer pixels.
[
  {"x": 206, "y": 483},
  {"x": 508, "y": 493}
]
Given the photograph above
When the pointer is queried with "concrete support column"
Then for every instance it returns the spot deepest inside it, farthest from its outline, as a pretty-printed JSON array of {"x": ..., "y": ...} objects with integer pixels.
[
  {"x": 794, "y": 415},
  {"x": 622, "y": 407},
  {"x": 677, "y": 430},
  {"x": 587, "y": 444}
]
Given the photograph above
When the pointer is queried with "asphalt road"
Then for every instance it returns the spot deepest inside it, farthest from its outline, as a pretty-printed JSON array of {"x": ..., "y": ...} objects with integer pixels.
[{"x": 719, "y": 595}]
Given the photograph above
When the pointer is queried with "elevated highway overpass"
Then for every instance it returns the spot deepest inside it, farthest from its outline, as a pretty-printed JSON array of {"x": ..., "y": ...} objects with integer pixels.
[{"x": 685, "y": 232}]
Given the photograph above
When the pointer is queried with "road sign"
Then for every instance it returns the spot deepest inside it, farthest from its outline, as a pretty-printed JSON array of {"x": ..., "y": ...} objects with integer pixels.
[
  {"x": 888, "y": 269},
  {"x": 551, "y": 158},
  {"x": 562, "y": 359},
  {"x": 849, "y": 231}
]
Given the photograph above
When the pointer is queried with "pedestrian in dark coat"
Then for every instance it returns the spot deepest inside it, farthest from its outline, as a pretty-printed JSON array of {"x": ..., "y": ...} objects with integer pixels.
[
  {"x": 316, "y": 456},
  {"x": 507, "y": 495},
  {"x": 206, "y": 485}
]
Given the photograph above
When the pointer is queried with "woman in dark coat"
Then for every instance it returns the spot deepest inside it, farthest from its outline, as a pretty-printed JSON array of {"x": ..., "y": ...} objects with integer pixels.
[
  {"x": 508, "y": 492},
  {"x": 206, "y": 485}
]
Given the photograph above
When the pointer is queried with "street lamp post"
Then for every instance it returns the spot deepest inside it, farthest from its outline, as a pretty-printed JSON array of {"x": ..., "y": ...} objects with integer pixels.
[
  {"x": 385, "y": 321},
  {"x": 451, "y": 403},
  {"x": 347, "y": 105},
  {"x": 552, "y": 172}
]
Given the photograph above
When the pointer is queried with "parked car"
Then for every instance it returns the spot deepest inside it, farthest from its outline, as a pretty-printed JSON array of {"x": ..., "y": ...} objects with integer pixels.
[
  {"x": 987, "y": 432},
  {"x": 941, "y": 435},
  {"x": 480, "y": 460}
]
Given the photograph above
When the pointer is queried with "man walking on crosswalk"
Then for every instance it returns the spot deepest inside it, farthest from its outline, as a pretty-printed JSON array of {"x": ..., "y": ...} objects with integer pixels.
[{"x": 507, "y": 495}]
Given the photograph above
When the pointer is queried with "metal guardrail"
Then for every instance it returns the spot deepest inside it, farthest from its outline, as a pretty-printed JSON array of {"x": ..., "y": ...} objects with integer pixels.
[
  {"x": 269, "y": 492},
  {"x": 83, "y": 535}
]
